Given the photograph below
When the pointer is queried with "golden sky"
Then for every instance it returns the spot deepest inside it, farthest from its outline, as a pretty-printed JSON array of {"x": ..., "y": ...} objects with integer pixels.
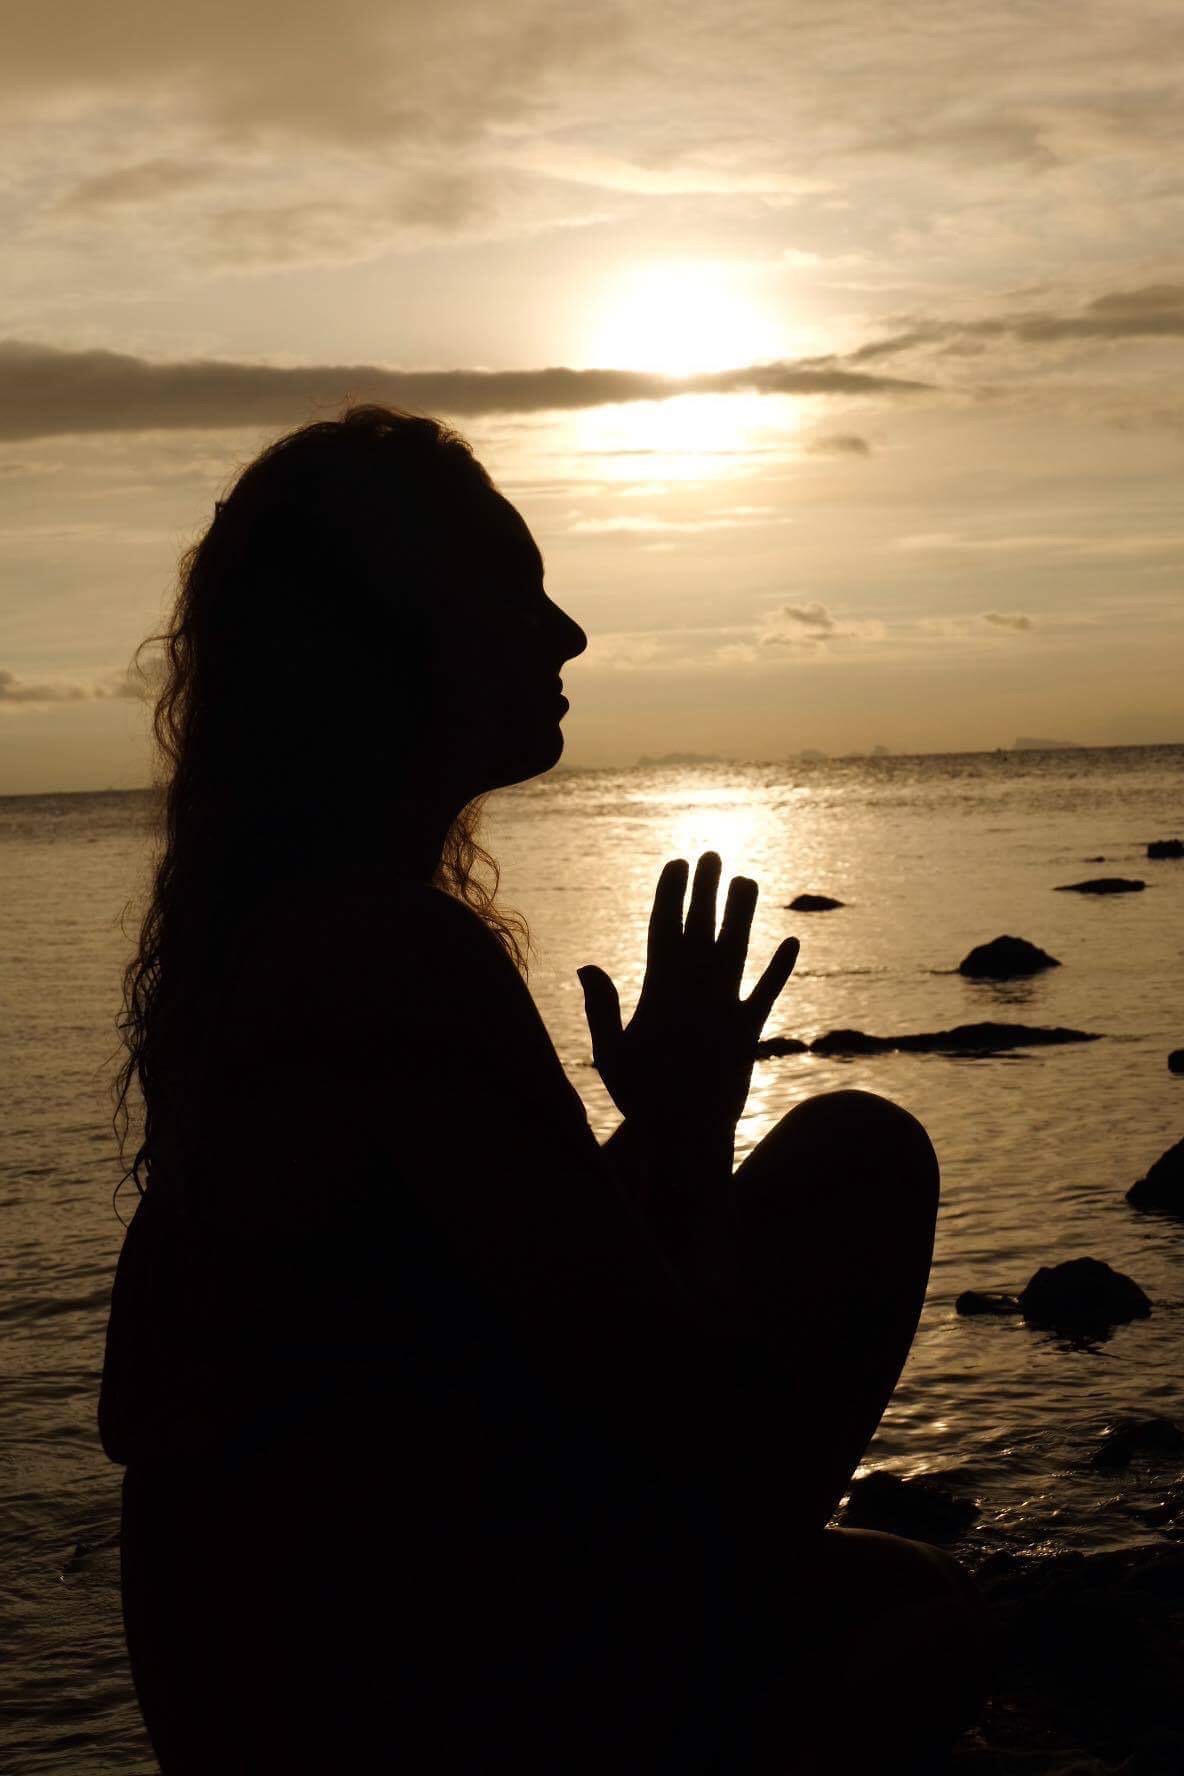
[{"x": 832, "y": 350}]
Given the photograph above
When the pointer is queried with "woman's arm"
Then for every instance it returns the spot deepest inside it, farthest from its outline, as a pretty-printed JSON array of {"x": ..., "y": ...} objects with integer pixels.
[{"x": 453, "y": 1081}]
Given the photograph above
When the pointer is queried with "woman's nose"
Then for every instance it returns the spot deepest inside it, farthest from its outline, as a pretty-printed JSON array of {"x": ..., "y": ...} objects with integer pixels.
[{"x": 573, "y": 640}]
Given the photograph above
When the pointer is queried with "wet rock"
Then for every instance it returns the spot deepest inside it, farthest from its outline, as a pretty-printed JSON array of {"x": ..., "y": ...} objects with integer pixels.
[
  {"x": 776, "y": 1046},
  {"x": 813, "y": 903},
  {"x": 852, "y": 1042},
  {"x": 1082, "y": 1296},
  {"x": 973, "y": 1039},
  {"x": 1166, "y": 848},
  {"x": 1103, "y": 885},
  {"x": 1176, "y": 1061},
  {"x": 1135, "y": 1436},
  {"x": 919, "y": 1508},
  {"x": 1163, "y": 1187},
  {"x": 1004, "y": 958},
  {"x": 985, "y": 1301},
  {"x": 1090, "y": 1666}
]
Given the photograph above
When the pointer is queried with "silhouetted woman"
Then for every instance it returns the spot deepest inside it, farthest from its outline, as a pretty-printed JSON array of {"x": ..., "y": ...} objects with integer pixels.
[{"x": 454, "y": 1441}]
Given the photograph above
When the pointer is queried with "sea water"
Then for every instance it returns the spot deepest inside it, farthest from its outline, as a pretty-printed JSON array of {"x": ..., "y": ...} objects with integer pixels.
[{"x": 930, "y": 857}]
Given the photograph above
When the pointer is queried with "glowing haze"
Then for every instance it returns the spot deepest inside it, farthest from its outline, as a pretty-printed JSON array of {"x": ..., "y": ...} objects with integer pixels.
[{"x": 832, "y": 351}]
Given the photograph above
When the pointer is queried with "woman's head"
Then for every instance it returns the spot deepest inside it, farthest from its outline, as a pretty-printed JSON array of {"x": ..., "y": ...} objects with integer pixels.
[
  {"x": 360, "y": 648},
  {"x": 366, "y": 613}
]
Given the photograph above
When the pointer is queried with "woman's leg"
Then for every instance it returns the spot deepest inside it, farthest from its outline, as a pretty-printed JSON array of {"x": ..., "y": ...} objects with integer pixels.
[
  {"x": 873, "y": 1648},
  {"x": 885, "y": 1658},
  {"x": 834, "y": 1216}
]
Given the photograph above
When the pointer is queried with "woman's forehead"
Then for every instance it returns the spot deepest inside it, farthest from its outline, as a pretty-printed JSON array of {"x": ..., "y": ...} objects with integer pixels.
[{"x": 513, "y": 534}]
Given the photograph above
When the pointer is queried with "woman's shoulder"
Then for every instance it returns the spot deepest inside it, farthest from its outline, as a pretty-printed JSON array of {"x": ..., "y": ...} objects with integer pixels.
[{"x": 368, "y": 954}]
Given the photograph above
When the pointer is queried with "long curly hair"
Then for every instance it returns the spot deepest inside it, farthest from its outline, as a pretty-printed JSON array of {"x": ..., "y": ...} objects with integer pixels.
[{"x": 293, "y": 683}]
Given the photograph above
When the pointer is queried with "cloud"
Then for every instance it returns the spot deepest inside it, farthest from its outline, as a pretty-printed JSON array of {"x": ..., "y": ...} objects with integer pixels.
[
  {"x": 46, "y": 390},
  {"x": 16, "y": 691},
  {"x": 813, "y": 626},
  {"x": 841, "y": 444},
  {"x": 1052, "y": 545},
  {"x": 1008, "y": 620},
  {"x": 811, "y": 616},
  {"x": 145, "y": 181},
  {"x": 1153, "y": 311},
  {"x": 375, "y": 72}
]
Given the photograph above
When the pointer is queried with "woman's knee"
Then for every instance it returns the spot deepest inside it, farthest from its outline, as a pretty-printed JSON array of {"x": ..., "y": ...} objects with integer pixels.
[{"x": 859, "y": 1144}]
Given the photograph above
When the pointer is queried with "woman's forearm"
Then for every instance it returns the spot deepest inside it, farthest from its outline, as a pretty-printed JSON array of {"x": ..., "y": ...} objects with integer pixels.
[{"x": 679, "y": 1179}]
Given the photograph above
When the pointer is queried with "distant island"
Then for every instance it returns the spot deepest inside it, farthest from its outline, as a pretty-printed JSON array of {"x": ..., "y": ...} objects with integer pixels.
[
  {"x": 1026, "y": 744},
  {"x": 683, "y": 758}
]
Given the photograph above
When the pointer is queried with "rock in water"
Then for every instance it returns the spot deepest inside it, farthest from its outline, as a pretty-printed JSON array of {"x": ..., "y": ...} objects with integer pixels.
[
  {"x": 1163, "y": 1187},
  {"x": 1166, "y": 848},
  {"x": 775, "y": 1046},
  {"x": 1082, "y": 1296},
  {"x": 965, "y": 1039},
  {"x": 1004, "y": 958},
  {"x": 1134, "y": 1436},
  {"x": 851, "y": 1042},
  {"x": 985, "y": 1301},
  {"x": 813, "y": 903},
  {"x": 919, "y": 1508},
  {"x": 1103, "y": 885},
  {"x": 1176, "y": 1061}
]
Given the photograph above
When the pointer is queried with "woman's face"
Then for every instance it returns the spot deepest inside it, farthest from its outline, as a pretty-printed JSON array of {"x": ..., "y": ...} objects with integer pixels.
[{"x": 499, "y": 645}]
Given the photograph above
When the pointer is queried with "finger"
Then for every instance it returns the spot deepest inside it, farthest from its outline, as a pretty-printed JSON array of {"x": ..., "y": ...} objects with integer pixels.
[
  {"x": 763, "y": 997},
  {"x": 700, "y": 926},
  {"x": 666, "y": 918},
  {"x": 602, "y": 1008},
  {"x": 735, "y": 929}
]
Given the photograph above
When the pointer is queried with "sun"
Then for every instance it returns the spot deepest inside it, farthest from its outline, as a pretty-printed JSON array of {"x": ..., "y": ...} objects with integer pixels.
[{"x": 678, "y": 317}]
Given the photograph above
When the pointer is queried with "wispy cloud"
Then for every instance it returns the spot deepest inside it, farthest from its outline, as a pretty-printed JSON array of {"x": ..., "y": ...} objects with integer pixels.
[
  {"x": 144, "y": 181},
  {"x": 1008, "y": 620},
  {"x": 1154, "y": 311},
  {"x": 649, "y": 523},
  {"x": 22, "y": 692},
  {"x": 814, "y": 625}
]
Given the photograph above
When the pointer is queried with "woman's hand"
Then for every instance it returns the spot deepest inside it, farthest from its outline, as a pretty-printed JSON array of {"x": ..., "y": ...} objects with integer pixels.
[{"x": 684, "y": 1062}]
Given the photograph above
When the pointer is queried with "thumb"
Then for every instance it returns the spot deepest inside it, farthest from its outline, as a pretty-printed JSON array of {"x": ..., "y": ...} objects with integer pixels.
[{"x": 602, "y": 1008}]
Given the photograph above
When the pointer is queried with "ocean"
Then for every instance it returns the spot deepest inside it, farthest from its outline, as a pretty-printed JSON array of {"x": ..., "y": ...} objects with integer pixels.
[{"x": 931, "y": 855}]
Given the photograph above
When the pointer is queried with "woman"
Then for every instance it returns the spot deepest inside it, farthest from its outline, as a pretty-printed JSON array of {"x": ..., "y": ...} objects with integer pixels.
[{"x": 454, "y": 1441}]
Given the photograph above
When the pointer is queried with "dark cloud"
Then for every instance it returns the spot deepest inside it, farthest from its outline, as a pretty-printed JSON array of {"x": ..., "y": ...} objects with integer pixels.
[
  {"x": 1154, "y": 311},
  {"x": 841, "y": 444},
  {"x": 1008, "y": 619},
  {"x": 46, "y": 391},
  {"x": 810, "y": 616}
]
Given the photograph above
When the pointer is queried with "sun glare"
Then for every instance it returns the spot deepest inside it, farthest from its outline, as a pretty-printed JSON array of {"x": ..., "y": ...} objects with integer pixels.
[
  {"x": 686, "y": 438},
  {"x": 680, "y": 317}
]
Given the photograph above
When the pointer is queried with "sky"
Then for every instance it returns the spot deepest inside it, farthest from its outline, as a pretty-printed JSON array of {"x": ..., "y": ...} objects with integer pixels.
[{"x": 832, "y": 351}]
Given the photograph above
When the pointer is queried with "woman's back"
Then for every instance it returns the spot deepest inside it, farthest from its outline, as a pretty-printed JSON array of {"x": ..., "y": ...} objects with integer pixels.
[{"x": 313, "y": 1386}]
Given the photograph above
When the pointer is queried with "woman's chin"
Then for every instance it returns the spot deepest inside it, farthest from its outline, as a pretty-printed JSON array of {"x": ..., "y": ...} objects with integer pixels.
[{"x": 539, "y": 754}]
